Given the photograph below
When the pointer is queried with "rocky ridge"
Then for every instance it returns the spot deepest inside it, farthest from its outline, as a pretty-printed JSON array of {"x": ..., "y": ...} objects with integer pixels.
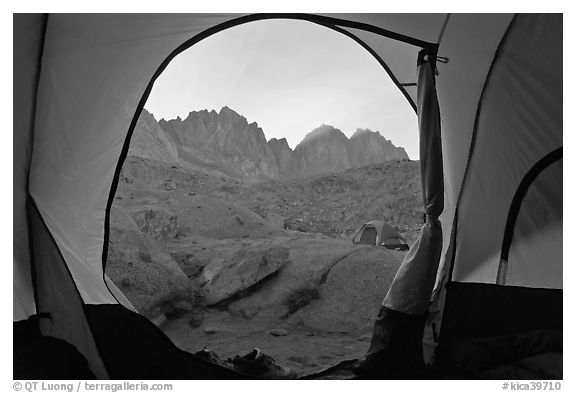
[{"x": 225, "y": 143}]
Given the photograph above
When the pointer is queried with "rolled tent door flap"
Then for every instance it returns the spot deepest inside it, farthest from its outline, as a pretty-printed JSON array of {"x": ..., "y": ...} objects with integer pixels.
[
  {"x": 396, "y": 346},
  {"x": 410, "y": 291}
]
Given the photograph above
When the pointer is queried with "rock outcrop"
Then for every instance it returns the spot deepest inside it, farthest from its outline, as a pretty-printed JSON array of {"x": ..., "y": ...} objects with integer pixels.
[
  {"x": 150, "y": 141},
  {"x": 159, "y": 223},
  {"x": 368, "y": 147},
  {"x": 223, "y": 279},
  {"x": 352, "y": 292},
  {"x": 226, "y": 138},
  {"x": 282, "y": 154},
  {"x": 145, "y": 273}
]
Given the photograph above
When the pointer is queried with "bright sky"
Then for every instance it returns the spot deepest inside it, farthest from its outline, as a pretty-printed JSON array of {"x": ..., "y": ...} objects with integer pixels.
[{"x": 289, "y": 77}]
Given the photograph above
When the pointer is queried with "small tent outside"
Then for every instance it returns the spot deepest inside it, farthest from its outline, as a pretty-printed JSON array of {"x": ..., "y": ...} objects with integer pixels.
[{"x": 379, "y": 233}]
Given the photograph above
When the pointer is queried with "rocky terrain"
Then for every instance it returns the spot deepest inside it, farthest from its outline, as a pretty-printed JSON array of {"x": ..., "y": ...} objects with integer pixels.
[
  {"x": 221, "y": 261},
  {"x": 338, "y": 204}
]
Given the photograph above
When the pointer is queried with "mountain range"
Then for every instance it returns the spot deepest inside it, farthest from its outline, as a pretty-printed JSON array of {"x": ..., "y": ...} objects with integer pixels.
[{"x": 225, "y": 143}]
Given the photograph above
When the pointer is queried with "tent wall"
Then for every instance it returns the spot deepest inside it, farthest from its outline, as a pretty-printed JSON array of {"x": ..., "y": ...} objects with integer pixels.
[
  {"x": 60, "y": 308},
  {"x": 28, "y": 40},
  {"x": 535, "y": 255},
  {"x": 95, "y": 71},
  {"x": 470, "y": 43},
  {"x": 519, "y": 122}
]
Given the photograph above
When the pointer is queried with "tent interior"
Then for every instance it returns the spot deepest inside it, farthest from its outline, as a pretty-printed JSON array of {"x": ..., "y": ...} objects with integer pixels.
[
  {"x": 486, "y": 270},
  {"x": 368, "y": 236}
]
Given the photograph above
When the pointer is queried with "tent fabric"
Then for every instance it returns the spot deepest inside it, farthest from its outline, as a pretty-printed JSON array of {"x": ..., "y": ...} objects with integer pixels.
[
  {"x": 509, "y": 102},
  {"x": 59, "y": 302},
  {"x": 535, "y": 257},
  {"x": 412, "y": 286},
  {"x": 96, "y": 69},
  {"x": 520, "y": 121},
  {"x": 469, "y": 42},
  {"x": 28, "y": 39}
]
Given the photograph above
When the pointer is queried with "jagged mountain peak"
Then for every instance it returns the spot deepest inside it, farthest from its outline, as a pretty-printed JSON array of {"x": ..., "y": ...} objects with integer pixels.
[
  {"x": 225, "y": 141},
  {"x": 227, "y": 109},
  {"x": 227, "y": 112}
]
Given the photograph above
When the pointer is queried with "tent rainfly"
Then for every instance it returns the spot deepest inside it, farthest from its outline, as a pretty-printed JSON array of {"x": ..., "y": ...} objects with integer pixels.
[
  {"x": 487, "y": 89},
  {"x": 379, "y": 233}
]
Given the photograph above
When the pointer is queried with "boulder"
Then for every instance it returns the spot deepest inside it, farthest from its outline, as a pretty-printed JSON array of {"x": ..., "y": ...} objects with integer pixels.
[
  {"x": 223, "y": 279},
  {"x": 147, "y": 275},
  {"x": 310, "y": 259},
  {"x": 352, "y": 292},
  {"x": 157, "y": 222}
]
